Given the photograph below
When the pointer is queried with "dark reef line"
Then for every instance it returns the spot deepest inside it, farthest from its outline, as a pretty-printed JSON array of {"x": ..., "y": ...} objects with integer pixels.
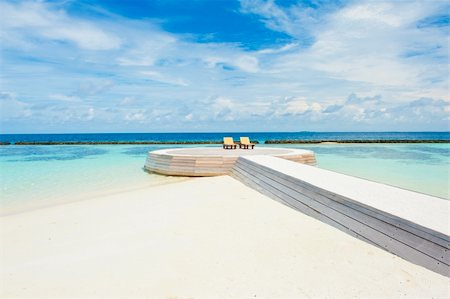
[
  {"x": 106, "y": 142},
  {"x": 355, "y": 141},
  {"x": 219, "y": 142}
]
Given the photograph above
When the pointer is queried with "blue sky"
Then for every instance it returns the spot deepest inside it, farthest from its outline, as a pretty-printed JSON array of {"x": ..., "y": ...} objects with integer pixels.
[{"x": 223, "y": 65}]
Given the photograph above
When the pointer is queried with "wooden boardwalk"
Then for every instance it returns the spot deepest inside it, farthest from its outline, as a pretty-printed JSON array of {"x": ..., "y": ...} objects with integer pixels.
[
  {"x": 411, "y": 225},
  {"x": 212, "y": 161}
]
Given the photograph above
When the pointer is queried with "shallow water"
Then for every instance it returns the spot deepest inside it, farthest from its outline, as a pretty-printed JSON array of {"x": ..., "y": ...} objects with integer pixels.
[
  {"x": 422, "y": 168},
  {"x": 34, "y": 176}
]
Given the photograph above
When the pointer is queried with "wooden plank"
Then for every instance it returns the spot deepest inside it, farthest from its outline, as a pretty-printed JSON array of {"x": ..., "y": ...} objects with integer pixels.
[
  {"x": 392, "y": 219},
  {"x": 399, "y": 222},
  {"x": 419, "y": 209},
  {"x": 268, "y": 190},
  {"x": 296, "y": 183},
  {"x": 404, "y": 251},
  {"x": 353, "y": 219},
  {"x": 350, "y": 201},
  {"x": 432, "y": 249}
]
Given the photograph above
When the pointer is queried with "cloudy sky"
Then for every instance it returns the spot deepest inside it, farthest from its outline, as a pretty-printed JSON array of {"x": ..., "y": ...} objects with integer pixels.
[{"x": 223, "y": 65}]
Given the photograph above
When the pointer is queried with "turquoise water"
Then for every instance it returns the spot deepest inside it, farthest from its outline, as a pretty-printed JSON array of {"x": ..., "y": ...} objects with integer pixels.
[
  {"x": 422, "y": 168},
  {"x": 34, "y": 176}
]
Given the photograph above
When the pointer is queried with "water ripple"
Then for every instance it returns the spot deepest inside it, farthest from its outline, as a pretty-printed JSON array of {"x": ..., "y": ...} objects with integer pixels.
[
  {"x": 49, "y": 153},
  {"x": 417, "y": 154}
]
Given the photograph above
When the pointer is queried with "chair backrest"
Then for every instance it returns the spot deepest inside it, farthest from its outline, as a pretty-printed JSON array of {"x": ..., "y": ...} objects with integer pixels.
[
  {"x": 228, "y": 140},
  {"x": 245, "y": 140}
]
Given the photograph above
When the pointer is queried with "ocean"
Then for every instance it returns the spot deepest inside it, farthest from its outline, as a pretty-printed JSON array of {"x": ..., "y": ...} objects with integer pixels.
[
  {"x": 259, "y": 136},
  {"x": 33, "y": 176}
]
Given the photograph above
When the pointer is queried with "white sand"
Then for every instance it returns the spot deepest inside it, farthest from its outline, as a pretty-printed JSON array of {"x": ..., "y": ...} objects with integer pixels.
[{"x": 206, "y": 237}]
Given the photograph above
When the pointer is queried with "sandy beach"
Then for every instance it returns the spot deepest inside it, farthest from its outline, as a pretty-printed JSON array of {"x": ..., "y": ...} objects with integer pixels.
[{"x": 205, "y": 237}]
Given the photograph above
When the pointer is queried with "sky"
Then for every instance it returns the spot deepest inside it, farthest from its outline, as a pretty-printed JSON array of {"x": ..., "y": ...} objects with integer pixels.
[{"x": 223, "y": 65}]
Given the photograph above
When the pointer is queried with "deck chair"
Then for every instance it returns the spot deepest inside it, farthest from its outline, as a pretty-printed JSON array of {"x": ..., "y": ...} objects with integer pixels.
[
  {"x": 245, "y": 143},
  {"x": 228, "y": 143}
]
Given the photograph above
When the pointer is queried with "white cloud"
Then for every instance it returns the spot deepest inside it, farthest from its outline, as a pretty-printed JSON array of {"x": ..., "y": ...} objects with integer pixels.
[
  {"x": 136, "y": 116},
  {"x": 365, "y": 42},
  {"x": 36, "y": 19},
  {"x": 297, "y": 107},
  {"x": 273, "y": 16},
  {"x": 86, "y": 88},
  {"x": 189, "y": 117},
  {"x": 12, "y": 108},
  {"x": 90, "y": 113},
  {"x": 93, "y": 87},
  {"x": 63, "y": 97},
  {"x": 282, "y": 49},
  {"x": 146, "y": 50},
  {"x": 373, "y": 12},
  {"x": 224, "y": 109},
  {"x": 374, "y": 111},
  {"x": 247, "y": 63},
  {"x": 423, "y": 110},
  {"x": 127, "y": 101},
  {"x": 155, "y": 76},
  {"x": 293, "y": 107}
]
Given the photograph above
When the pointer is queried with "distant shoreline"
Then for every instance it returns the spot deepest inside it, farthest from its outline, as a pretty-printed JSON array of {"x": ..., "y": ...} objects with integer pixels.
[{"x": 285, "y": 141}]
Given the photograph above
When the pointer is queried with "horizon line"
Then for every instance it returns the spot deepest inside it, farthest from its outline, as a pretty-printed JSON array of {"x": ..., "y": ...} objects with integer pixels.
[{"x": 223, "y": 132}]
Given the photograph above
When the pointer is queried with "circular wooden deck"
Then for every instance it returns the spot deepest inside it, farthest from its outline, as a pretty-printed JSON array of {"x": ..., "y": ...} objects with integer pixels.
[{"x": 212, "y": 161}]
